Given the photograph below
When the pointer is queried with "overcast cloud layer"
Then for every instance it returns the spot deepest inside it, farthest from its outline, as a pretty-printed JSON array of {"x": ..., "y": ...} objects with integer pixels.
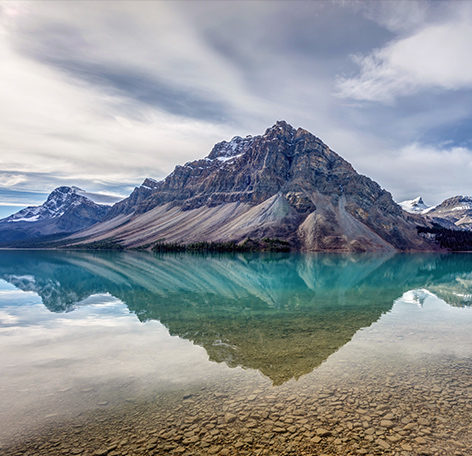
[{"x": 103, "y": 94}]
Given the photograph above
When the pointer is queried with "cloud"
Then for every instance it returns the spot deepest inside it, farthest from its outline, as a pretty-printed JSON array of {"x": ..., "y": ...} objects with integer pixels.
[
  {"x": 435, "y": 56},
  {"x": 55, "y": 126},
  {"x": 144, "y": 51},
  {"x": 402, "y": 15},
  {"x": 103, "y": 97},
  {"x": 435, "y": 173},
  {"x": 10, "y": 180}
]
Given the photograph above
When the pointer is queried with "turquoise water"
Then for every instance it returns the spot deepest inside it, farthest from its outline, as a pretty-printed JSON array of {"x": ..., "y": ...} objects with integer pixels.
[{"x": 135, "y": 353}]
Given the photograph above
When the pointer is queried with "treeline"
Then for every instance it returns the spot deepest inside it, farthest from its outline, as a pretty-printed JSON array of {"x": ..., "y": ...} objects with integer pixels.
[
  {"x": 249, "y": 245},
  {"x": 454, "y": 240},
  {"x": 107, "y": 244},
  {"x": 41, "y": 242}
]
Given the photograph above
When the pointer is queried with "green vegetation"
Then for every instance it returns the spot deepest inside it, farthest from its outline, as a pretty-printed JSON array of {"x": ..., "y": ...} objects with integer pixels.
[
  {"x": 454, "y": 240},
  {"x": 42, "y": 242},
  {"x": 249, "y": 245},
  {"x": 267, "y": 245}
]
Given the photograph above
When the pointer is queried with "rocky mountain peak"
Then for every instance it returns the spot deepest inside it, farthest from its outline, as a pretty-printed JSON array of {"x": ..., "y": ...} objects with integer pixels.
[
  {"x": 149, "y": 184},
  {"x": 459, "y": 202},
  {"x": 414, "y": 206},
  {"x": 455, "y": 212},
  {"x": 285, "y": 184},
  {"x": 418, "y": 200},
  {"x": 281, "y": 131},
  {"x": 66, "y": 210},
  {"x": 227, "y": 149},
  {"x": 61, "y": 193},
  {"x": 56, "y": 204}
]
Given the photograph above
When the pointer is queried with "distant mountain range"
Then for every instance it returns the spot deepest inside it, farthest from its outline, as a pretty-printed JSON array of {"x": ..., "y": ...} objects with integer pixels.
[
  {"x": 285, "y": 185},
  {"x": 66, "y": 210},
  {"x": 453, "y": 213}
]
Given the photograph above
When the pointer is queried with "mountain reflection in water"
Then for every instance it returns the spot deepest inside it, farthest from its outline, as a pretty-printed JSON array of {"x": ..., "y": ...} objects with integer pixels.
[{"x": 280, "y": 314}]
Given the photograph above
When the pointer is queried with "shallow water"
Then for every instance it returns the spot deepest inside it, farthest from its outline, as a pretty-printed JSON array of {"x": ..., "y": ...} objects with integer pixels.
[{"x": 124, "y": 353}]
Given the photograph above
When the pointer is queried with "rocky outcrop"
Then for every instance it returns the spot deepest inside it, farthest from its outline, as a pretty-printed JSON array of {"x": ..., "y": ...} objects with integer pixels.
[
  {"x": 138, "y": 195},
  {"x": 285, "y": 183}
]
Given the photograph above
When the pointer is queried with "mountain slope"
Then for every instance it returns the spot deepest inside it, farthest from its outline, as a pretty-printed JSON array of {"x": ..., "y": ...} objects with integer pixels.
[
  {"x": 455, "y": 212},
  {"x": 66, "y": 210},
  {"x": 285, "y": 184}
]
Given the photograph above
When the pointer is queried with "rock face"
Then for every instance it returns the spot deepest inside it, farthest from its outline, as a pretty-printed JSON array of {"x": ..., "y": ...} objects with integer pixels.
[
  {"x": 66, "y": 210},
  {"x": 454, "y": 212},
  {"x": 138, "y": 195},
  {"x": 285, "y": 184}
]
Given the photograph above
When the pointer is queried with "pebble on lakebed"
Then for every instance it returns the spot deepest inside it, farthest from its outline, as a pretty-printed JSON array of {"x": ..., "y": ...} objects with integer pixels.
[{"x": 364, "y": 414}]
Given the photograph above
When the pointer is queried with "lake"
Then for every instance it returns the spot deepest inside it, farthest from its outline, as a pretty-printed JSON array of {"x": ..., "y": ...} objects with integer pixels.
[{"x": 134, "y": 353}]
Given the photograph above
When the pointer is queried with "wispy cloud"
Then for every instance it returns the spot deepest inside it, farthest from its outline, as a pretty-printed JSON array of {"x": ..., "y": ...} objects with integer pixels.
[
  {"x": 10, "y": 180},
  {"x": 436, "y": 173},
  {"x": 433, "y": 56}
]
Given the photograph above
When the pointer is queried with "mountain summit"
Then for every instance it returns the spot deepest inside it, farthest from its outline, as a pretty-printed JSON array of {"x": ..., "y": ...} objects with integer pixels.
[
  {"x": 415, "y": 206},
  {"x": 66, "y": 210},
  {"x": 285, "y": 184}
]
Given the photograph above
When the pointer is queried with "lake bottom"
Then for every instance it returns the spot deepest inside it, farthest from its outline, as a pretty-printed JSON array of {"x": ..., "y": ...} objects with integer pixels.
[{"x": 396, "y": 407}]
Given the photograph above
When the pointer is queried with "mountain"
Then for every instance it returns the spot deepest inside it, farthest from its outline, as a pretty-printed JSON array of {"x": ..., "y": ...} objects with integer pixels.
[
  {"x": 455, "y": 212},
  {"x": 415, "y": 206},
  {"x": 139, "y": 194},
  {"x": 66, "y": 210},
  {"x": 452, "y": 213},
  {"x": 285, "y": 184}
]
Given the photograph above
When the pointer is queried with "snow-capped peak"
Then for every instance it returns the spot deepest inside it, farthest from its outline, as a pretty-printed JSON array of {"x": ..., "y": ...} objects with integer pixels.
[
  {"x": 415, "y": 206},
  {"x": 58, "y": 202},
  {"x": 149, "y": 184},
  {"x": 227, "y": 149},
  {"x": 417, "y": 296}
]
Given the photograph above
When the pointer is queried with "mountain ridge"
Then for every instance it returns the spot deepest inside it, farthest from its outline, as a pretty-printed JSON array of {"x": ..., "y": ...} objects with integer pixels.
[
  {"x": 453, "y": 213},
  {"x": 284, "y": 184}
]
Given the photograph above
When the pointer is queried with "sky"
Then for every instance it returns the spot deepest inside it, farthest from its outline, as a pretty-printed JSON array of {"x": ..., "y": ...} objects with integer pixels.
[{"x": 102, "y": 94}]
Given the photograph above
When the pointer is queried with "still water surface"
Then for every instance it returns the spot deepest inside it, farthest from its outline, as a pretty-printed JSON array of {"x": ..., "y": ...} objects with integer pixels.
[{"x": 125, "y": 353}]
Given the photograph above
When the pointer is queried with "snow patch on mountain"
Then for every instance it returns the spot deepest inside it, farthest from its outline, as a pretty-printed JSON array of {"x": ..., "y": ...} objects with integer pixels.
[
  {"x": 149, "y": 184},
  {"x": 415, "y": 206},
  {"x": 225, "y": 159},
  {"x": 34, "y": 218},
  {"x": 236, "y": 147},
  {"x": 417, "y": 296}
]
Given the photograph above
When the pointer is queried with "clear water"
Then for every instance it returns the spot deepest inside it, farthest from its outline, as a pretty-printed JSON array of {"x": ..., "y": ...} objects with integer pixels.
[{"x": 124, "y": 353}]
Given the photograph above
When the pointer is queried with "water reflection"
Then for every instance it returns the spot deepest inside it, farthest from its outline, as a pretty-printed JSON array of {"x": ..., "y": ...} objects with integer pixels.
[{"x": 280, "y": 314}]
